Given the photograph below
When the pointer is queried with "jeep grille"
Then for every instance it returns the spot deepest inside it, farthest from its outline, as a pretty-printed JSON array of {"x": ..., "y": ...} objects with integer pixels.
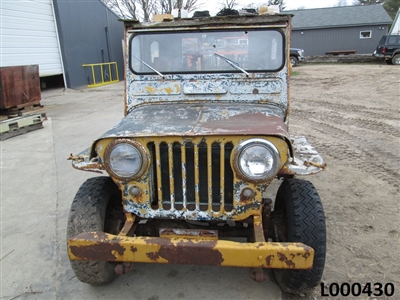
[{"x": 190, "y": 175}]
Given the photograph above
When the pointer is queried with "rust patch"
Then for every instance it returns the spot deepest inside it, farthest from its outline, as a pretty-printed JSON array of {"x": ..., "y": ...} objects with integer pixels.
[
  {"x": 288, "y": 262},
  {"x": 187, "y": 252},
  {"x": 285, "y": 171},
  {"x": 188, "y": 233},
  {"x": 133, "y": 249},
  {"x": 200, "y": 120},
  {"x": 268, "y": 260},
  {"x": 310, "y": 163},
  {"x": 256, "y": 123},
  {"x": 97, "y": 252},
  {"x": 153, "y": 256}
]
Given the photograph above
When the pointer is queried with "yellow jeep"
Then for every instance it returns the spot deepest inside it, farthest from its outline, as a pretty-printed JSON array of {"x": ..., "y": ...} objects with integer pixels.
[{"x": 205, "y": 133}]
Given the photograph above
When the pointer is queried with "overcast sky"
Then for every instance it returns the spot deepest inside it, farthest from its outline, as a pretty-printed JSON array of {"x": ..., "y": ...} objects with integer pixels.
[{"x": 214, "y": 6}]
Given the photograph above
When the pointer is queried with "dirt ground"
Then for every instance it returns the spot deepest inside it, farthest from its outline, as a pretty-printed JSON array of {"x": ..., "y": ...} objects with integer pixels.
[{"x": 350, "y": 113}]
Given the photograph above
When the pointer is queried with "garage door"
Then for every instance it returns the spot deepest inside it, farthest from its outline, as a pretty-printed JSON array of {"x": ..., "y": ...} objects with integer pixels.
[{"x": 29, "y": 36}]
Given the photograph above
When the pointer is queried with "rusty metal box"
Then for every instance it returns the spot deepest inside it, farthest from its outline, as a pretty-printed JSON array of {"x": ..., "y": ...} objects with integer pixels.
[{"x": 19, "y": 86}]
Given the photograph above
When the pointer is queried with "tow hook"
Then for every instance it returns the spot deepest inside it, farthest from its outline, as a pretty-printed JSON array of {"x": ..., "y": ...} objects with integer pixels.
[
  {"x": 257, "y": 274},
  {"x": 123, "y": 268}
]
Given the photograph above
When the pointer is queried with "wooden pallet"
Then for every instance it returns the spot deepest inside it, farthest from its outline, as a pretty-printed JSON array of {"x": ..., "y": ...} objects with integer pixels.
[
  {"x": 20, "y": 125},
  {"x": 19, "y": 110}
]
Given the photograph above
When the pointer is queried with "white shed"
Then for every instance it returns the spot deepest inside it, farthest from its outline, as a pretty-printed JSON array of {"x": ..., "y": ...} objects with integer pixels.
[{"x": 29, "y": 36}]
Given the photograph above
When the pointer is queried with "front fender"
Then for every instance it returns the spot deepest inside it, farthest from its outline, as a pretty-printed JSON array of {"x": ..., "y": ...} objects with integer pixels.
[
  {"x": 86, "y": 162},
  {"x": 305, "y": 160}
]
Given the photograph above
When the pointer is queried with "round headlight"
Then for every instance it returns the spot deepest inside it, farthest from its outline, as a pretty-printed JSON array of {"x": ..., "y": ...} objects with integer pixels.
[
  {"x": 124, "y": 159},
  {"x": 258, "y": 159}
]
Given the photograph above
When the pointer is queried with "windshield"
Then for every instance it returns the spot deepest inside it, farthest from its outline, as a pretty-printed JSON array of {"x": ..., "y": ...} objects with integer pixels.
[{"x": 207, "y": 51}]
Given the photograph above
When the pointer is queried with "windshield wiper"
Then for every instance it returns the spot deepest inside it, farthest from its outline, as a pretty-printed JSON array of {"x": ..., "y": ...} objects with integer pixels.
[
  {"x": 232, "y": 63},
  {"x": 147, "y": 65}
]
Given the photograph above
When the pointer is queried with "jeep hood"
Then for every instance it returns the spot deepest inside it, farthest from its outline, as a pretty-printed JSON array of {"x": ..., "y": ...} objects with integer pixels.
[
  {"x": 207, "y": 120},
  {"x": 201, "y": 119}
]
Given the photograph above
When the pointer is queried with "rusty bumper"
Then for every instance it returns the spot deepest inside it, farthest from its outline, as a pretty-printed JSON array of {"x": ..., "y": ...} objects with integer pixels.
[{"x": 100, "y": 246}]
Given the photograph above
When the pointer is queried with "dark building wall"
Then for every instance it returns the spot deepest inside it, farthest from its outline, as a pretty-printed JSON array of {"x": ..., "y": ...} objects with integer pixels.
[
  {"x": 319, "y": 41},
  {"x": 89, "y": 33}
]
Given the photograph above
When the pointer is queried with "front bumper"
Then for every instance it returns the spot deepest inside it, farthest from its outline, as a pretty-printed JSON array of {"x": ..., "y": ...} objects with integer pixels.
[{"x": 208, "y": 250}]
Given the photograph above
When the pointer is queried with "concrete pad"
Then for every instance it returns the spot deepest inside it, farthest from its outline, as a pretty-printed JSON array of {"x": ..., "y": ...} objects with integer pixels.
[{"x": 37, "y": 188}]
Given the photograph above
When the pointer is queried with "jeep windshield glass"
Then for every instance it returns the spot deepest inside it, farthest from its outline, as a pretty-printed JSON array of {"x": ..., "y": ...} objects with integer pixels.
[{"x": 194, "y": 51}]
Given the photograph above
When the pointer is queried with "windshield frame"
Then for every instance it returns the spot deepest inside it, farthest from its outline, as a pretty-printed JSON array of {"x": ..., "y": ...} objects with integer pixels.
[{"x": 281, "y": 47}]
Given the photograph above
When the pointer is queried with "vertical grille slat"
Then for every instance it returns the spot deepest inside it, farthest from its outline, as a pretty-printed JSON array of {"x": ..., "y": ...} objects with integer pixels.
[
  {"x": 157, "y": 176},
  {"x": 209, "y": 176},
  {"x": 196, "y": 176},
  {"x": 170, "y": 174},
  {"x": 184, "y": 176},
  {"x": 192, "y": 175},
  {"x": 222, "y": 177}
]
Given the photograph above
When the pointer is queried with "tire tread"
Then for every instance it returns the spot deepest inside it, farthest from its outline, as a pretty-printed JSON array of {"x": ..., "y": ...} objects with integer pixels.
[
  {"x": 306, "y": 225},
  {"x": 87, "y": 213}
]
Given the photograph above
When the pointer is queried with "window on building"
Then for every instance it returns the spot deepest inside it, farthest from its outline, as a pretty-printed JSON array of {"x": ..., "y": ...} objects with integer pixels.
[{"x": 365, "y": 34}]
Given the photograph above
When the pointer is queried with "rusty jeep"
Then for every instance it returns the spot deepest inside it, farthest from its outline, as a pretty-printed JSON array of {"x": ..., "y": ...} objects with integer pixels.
[{"x": 205, "y": 133}]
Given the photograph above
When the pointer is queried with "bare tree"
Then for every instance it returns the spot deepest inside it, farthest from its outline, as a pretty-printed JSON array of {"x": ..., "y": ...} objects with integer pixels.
[
  {"x": 144, "y": 9},
  {"x": 230, "y": 4},
  {"x": 366, "y": 2},
  {"x": 191, "y": 5},
  {"x": 126, "y": 9},
  {"x": 277, "y": 2},
  {"x": 148, "y": 8},
  {"x": 166, "y": 6}
]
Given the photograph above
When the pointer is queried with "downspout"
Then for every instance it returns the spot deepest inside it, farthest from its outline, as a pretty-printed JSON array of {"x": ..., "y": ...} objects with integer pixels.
[{"x": 59, "y": 44}]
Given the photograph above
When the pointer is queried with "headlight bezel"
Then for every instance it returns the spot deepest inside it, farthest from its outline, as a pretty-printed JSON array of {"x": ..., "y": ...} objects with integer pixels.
[
  {"x": 138, "y": 146},
  {"x": 245, "y": 145}
]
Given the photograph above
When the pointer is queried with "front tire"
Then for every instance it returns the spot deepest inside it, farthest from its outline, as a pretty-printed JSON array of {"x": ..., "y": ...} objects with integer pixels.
[
  {"x": 94, "y": 202},
  {"x": 304, "y": 220}
]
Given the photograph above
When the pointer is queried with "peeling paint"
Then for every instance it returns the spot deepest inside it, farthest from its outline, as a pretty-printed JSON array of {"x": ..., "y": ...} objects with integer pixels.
[
  {"x": 306, "y": 159},
  {"x": 106, "y": 247},
  {"x": 187, "y": 128}
]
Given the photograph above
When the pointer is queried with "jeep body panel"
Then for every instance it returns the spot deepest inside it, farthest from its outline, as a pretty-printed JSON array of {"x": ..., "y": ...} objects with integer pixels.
[
  {"x": 207, "y": 86},
  {"x": 191, "y": 133}
]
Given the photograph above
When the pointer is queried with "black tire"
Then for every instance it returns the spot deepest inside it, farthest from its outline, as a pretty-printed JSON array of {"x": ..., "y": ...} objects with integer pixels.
[
  {"x": 304, "y": 218},
  {"x": 293, "y": 61},
  {"x": 92, "y": 204},
  {"x": 396, "y": 59}
]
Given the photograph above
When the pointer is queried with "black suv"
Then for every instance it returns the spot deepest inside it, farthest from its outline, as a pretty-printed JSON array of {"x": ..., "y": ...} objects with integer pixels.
[
  {"x": 389, "y": 49},
  {"x": 296, "y": 55}
]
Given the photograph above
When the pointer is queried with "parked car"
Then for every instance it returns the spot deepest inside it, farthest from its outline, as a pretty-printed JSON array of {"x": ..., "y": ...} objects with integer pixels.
[
  {"x": 296, "y": 55},
  {"x": 389, "y": 49}
]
